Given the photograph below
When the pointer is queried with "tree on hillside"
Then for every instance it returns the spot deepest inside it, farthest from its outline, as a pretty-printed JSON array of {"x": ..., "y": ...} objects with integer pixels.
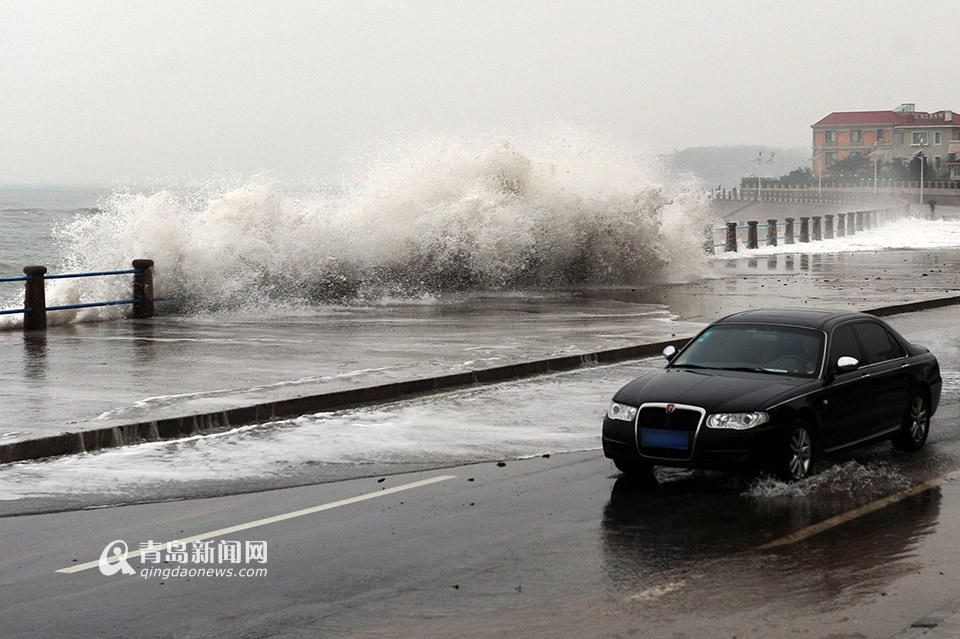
[{"x": 800, "y": 175}]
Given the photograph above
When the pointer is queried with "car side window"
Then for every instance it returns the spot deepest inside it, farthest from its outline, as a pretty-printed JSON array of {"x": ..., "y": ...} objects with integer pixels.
[
  {"x": 878, "y": 345},
  {"x": 844, "y": 344}
]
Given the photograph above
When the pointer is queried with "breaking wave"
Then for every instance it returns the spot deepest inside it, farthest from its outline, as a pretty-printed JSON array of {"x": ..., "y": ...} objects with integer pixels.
[{"x": 429, "y": 217}]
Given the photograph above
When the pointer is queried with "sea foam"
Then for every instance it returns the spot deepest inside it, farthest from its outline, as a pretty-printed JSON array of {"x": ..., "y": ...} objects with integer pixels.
[{"x": 447, "y": 214}]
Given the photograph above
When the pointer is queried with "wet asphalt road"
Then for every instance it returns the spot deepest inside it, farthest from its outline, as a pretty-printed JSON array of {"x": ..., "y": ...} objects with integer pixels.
[{"x": 560, "y": 545}]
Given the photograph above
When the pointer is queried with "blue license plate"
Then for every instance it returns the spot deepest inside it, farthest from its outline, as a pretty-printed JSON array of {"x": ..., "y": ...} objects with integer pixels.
[{"x": 652, "y": 438}]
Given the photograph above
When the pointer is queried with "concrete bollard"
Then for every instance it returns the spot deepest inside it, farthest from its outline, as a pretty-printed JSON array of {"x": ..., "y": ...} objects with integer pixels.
[
  {"x": 788, "y": 230},
  {"x": 771, "y": 232},
  {"x": 804, "y": 229},
  {"x": 868, "y": 220},
  {"x": 828, "y": 227},
  {"x": 143, "y": 289},
  {"x": 752, "y": 239},
  {"x": 708, "y": 240},
  {"x": 859, "y": 221},
  {"x": 731, "y": 244},
  {"x": 815, "y": 231},
  {"x": 851, "y": 223},
  {"x": 35, "y": 299}
]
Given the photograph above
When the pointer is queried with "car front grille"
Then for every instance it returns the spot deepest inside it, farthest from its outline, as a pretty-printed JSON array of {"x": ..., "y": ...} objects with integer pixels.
[
  {"x": 680, "y": 425},
  {"x": 658, "y": 417}
]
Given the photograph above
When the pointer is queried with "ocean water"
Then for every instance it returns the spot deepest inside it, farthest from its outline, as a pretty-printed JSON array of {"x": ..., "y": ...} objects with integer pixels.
[{"x": 29, "y": 216}]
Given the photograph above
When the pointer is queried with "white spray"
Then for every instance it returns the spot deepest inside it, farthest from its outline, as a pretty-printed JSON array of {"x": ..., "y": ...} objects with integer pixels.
[{"x": 442, "y": 215}]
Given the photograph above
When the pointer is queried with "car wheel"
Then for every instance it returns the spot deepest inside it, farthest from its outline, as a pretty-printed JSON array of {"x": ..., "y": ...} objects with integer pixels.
[
  {"x": 796, "y": 455},
  {"x": 916, "y": 425},
  {"x": 633, "y": 467}
]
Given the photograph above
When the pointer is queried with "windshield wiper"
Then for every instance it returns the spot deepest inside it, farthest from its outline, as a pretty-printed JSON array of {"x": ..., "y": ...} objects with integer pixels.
[
  {"x": 748, "y": 369},
  {"x": 770, "y": 371}
]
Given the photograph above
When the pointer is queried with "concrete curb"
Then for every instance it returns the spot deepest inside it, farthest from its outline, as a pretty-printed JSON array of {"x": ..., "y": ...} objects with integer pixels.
[{"x": 187, "y": 425}]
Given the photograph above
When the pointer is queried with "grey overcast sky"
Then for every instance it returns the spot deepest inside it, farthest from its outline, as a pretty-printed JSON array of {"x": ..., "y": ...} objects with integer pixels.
[{"x": 113, "y": 91}]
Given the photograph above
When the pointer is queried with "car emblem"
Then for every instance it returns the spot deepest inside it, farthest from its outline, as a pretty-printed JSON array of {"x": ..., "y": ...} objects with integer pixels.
[{"x": 670, "y": 408}]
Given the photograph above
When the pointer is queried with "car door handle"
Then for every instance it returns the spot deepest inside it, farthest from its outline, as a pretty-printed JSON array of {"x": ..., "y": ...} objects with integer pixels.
[
  {"x": 905, "y": 366},
  {"x": 866, "y": 375}
]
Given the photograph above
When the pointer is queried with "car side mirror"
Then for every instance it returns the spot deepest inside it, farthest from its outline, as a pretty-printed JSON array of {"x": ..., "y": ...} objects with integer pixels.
[
  {"x": 669, "y": 352},
  {"x": 846, "y": 364}
]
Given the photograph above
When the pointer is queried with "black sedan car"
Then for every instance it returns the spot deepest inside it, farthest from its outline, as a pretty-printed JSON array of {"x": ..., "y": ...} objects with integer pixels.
[{"x": 774, "y": 389}]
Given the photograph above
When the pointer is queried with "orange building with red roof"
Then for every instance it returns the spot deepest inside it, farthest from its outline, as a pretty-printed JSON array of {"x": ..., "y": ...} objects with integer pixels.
[{"x": 898, "y": 133}]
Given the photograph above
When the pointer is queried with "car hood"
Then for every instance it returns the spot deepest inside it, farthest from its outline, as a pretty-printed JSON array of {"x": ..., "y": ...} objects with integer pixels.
[{"x": 715, "y": 390}]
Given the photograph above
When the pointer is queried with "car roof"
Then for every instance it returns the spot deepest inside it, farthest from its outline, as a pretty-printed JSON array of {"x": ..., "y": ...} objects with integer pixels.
[{"x": 821, "y": 319}]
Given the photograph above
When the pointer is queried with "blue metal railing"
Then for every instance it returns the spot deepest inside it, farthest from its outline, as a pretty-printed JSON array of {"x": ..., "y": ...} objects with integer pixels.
[
  {"x": 35, "y": 276},
  {"x": 873, "y": 217},
  {"x": 62, "y": 276},
  {"x": 67, "y": 307}
]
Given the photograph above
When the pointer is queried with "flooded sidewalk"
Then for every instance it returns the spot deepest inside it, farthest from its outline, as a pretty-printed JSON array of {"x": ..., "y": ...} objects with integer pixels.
[{"x": 100, "y": 374}]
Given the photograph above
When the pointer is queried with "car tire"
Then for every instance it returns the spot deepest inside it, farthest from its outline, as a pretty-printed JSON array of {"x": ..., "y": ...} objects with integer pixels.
[
  {"x": 796, "y": 453},
  {"x": 633, "y": 467},
  {"x": 916, "y": 424}
]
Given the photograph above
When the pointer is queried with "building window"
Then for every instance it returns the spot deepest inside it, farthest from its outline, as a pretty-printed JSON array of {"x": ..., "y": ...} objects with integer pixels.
[
  {"x": 856, "y": 136},
  {"x": 829, "y": 137},
  {"x": 879, "y": 136},
  {"x": 936, "y": 137},
  {"x": 955, "y": 172},
  {"x": 831, "y": 157},
  {"x": 898, "y": 137},
  {"x": 936, "y": 162},
  {"x": 854, "y": 154},
  {"x": 919, "y": 137}
]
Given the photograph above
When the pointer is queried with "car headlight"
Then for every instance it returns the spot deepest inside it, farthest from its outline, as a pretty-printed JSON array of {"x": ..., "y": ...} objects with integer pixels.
[
  {"x": 622, "y": 412},
  {"x": 737, "y": 421}
]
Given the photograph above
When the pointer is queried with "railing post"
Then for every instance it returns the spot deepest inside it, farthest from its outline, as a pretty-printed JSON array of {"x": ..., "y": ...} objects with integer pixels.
[
  {"x": 788, "y": 230},
  {"x": 143, "y": 289},
  {"x": 851, "y": 223},
  {"x": 731, "y": 237},
  {"x": 859, "y": 219},
  {"x": 868, "y": 220},
  {"x": 35, "y": 299},
  {"x": 804, "y": 229},
  {"x": 771, "y": 232},
  {"x": 828, "y": 227},
  {"x": 752, "y": 240},
  {"x": 708, "y": 240},
  {"x": 815, "y": 231}
]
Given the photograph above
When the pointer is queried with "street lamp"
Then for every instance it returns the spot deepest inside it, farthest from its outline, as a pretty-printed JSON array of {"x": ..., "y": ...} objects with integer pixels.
[
  {"x": 876, "y": 154},
  {"x": 758, "y": 162},
  {"x": 818, "y": 153},
  {"x": 923, "y": 143}
]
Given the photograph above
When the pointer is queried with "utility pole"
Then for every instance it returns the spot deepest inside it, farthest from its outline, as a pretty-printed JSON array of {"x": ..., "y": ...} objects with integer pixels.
[{"x": 876, "y": 146}]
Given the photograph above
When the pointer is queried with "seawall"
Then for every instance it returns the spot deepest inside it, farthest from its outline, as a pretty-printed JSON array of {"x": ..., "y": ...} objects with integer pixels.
[{"x": 193, "y": 424}]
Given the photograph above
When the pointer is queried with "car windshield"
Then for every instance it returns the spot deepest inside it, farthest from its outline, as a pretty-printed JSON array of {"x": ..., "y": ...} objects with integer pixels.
[{"x": 780, "y": 350}]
